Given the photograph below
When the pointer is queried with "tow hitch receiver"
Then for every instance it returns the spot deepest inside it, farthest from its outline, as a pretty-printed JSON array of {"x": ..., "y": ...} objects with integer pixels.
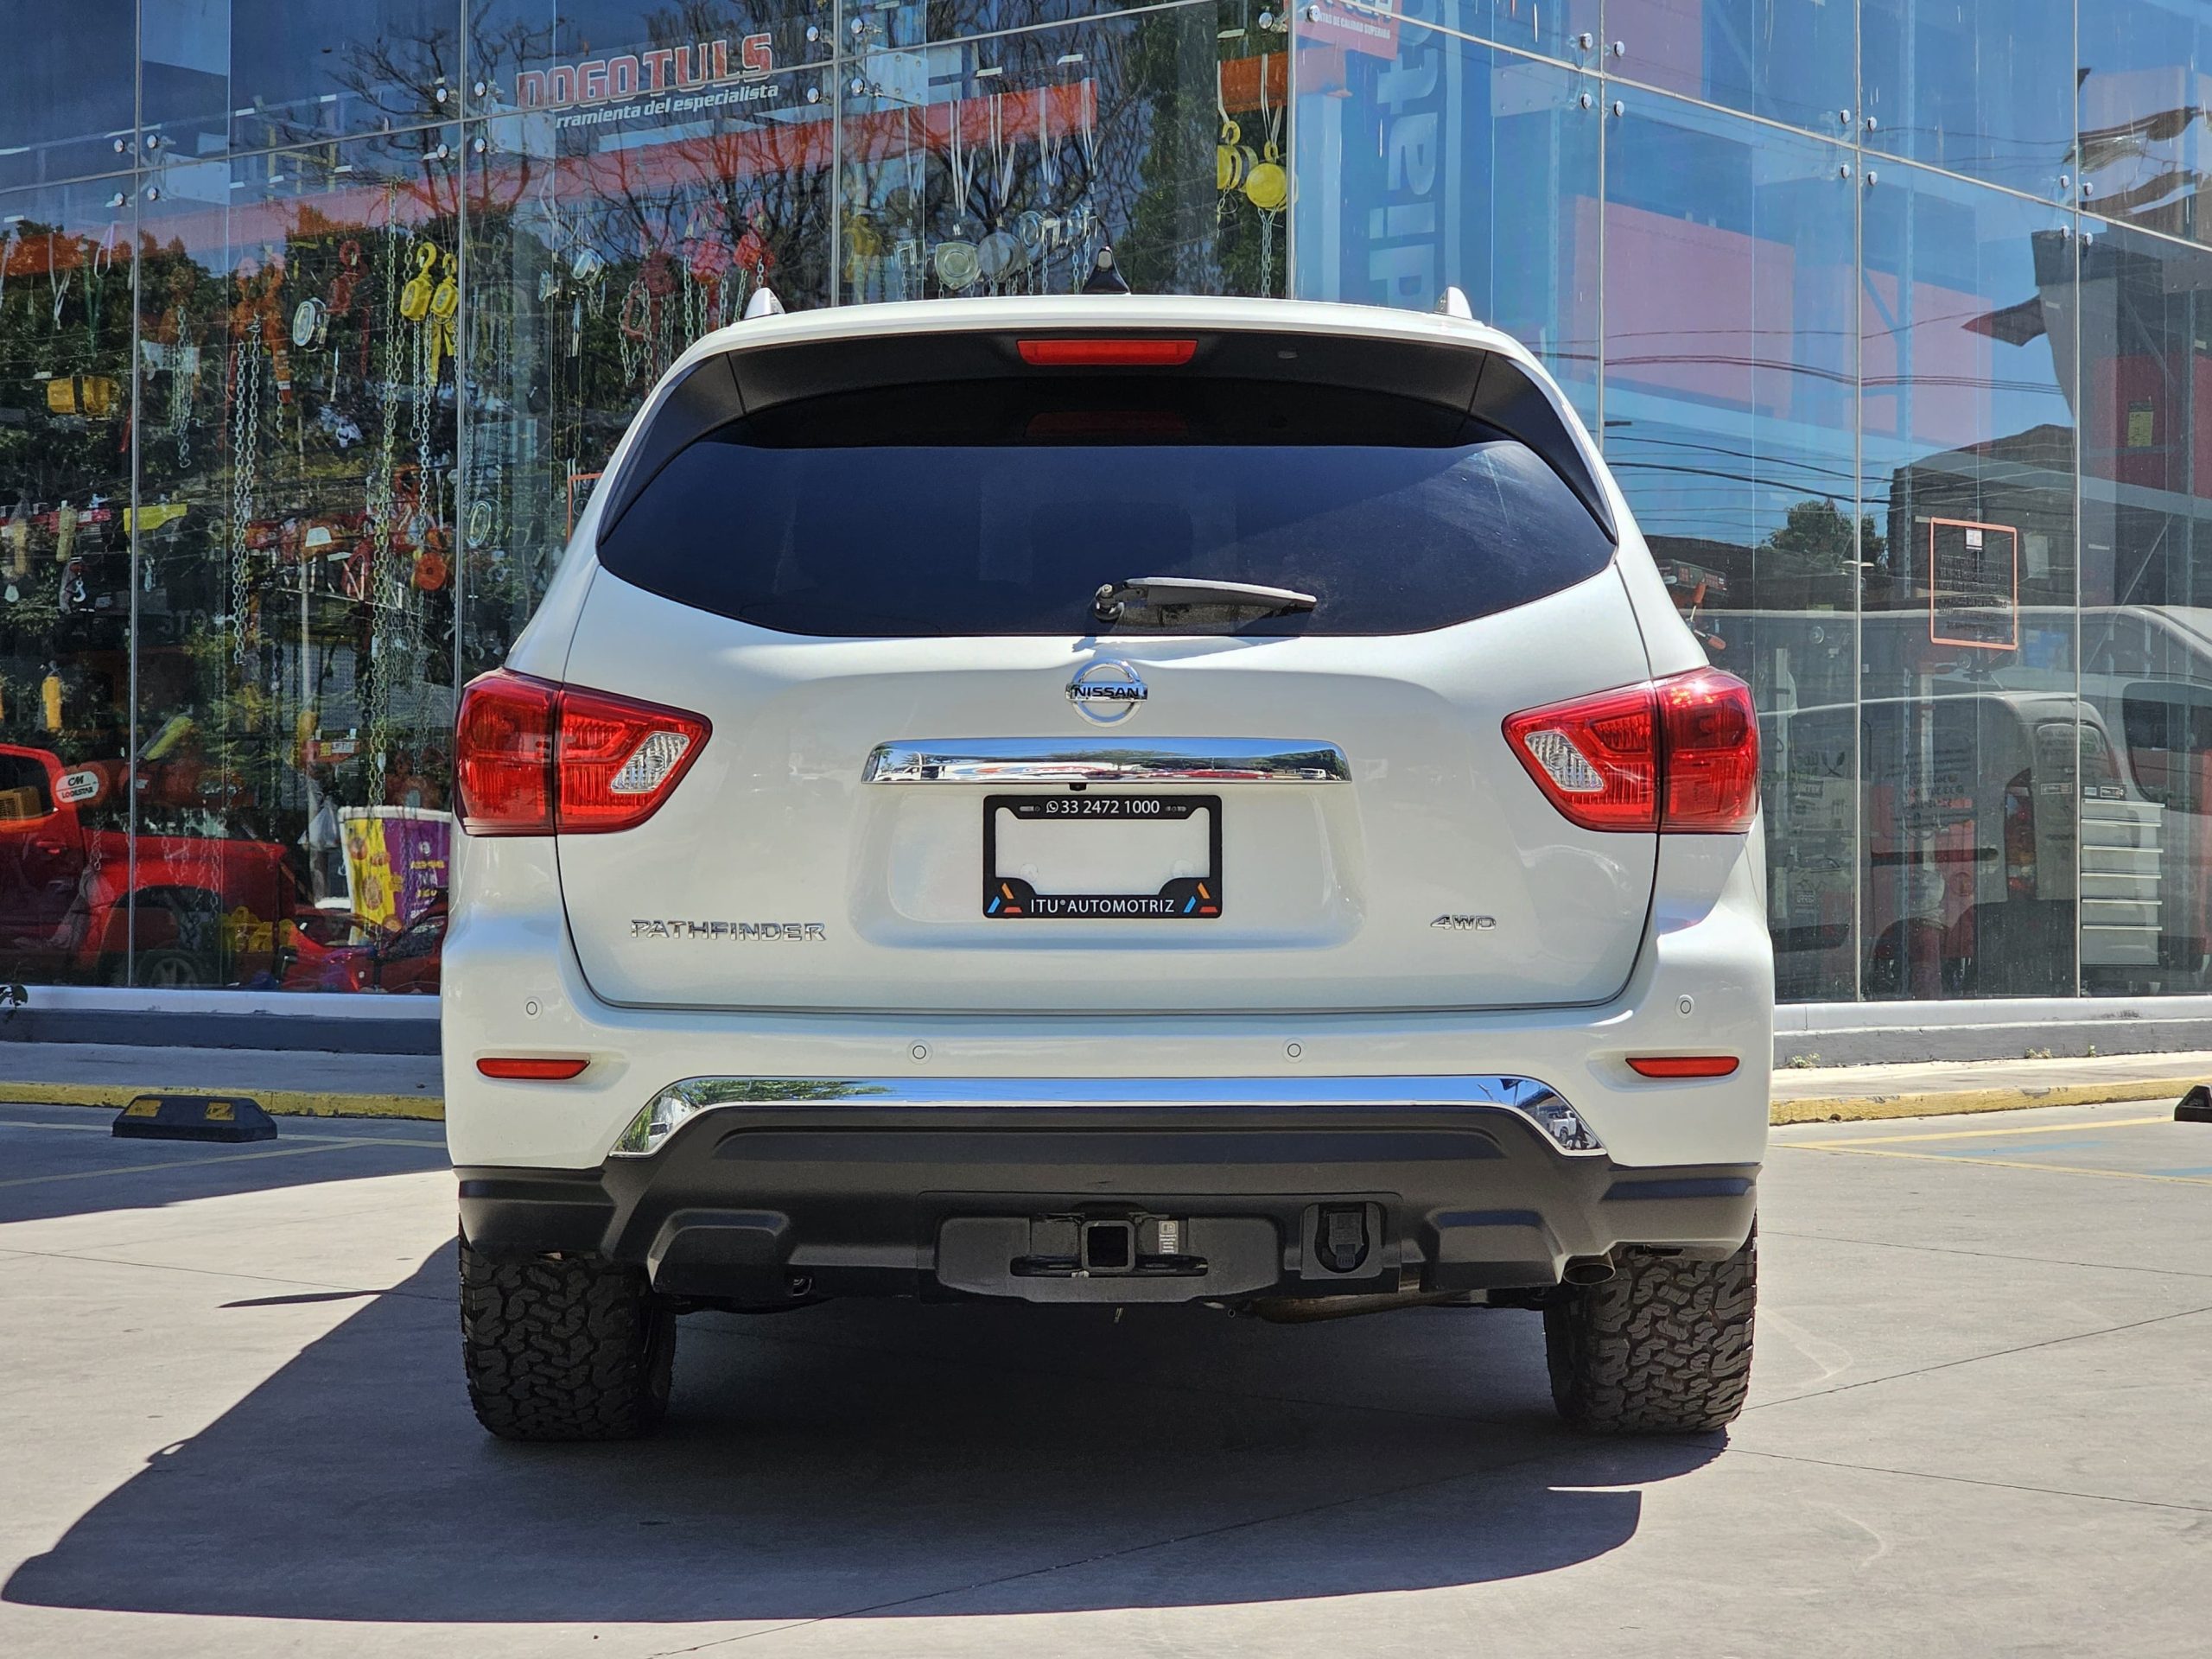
[
  {"x": 1110, "y": 1247},
  {"x": 1121, "y": 1257},
  {"x": 1094, "y": 1246}
]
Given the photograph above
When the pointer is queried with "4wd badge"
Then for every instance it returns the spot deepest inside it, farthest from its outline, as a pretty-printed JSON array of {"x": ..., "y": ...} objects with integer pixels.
[{"x": 1465, "y": 924}]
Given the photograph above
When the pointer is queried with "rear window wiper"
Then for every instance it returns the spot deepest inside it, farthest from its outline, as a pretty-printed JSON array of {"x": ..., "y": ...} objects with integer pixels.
[{"x": 1166, "y": 597}]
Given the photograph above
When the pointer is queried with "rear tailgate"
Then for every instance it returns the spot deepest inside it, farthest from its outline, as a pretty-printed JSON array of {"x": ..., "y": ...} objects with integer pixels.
[{"x": 880, "y": 597}]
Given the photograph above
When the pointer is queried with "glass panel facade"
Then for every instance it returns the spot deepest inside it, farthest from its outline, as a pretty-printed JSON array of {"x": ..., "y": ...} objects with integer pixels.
[
  {"x": 1982, "y": 87},
  {"x": 997, "y": 166},
  {"x": 71, "y": 112},
  {"x": 299, "y": 531},
  {"x": 1970, "y": 716},
  {"x": 1573, "y": 29},
  {"x": 244, "y": 74},
  {"x": 2147, "y": 578},
  {"x": 1730, "y": 374},
  {"x": 66, "y": 583},
  {"x": 1787, "y": 59},
  {"x": 2144, "y": 152},
  {"x": 1893, "y": 316},
  {"x": 594, "y": 259},
  {"x": 1453, "y": 164}
]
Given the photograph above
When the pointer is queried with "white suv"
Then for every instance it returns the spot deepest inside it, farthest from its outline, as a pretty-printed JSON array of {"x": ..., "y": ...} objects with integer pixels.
[{"x": 1114, "y": 800}]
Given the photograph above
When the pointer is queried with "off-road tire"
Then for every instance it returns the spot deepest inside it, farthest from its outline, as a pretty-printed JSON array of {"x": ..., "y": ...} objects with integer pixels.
[
  {"x": 1663, "y": 1347},
  {"x": 564, "y": 1348}
]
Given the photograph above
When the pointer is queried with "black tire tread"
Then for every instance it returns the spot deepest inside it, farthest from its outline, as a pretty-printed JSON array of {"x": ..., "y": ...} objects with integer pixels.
[
  {"x": 1663, "y": 1347},
  {"x": 564, "y": 1348}
]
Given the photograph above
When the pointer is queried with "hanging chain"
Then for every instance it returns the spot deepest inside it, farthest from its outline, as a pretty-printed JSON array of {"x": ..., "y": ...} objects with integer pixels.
[
  {"x": 693, "y": 293},
  {"x": 245, "y": 446},
  {"x": 380, "y": 503},
  {"x": 384, "y": 596},
  {"x": 632, "y": 350},
  {"x": 420, "y": 420},
  {"x": 181, "y": 352}
]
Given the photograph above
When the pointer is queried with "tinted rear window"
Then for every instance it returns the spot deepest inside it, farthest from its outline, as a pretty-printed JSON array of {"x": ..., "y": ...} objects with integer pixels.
[{"x": 1000, "y": 507}]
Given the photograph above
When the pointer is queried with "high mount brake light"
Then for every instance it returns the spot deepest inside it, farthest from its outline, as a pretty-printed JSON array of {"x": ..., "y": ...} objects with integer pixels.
[
  {"x": 536, "y": 758},
  {"x": 1124, "y": 353},
  {"x": 1679, "y": 755}
]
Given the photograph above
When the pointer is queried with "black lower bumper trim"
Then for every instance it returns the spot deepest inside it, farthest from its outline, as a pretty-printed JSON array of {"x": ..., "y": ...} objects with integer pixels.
[{"x": 755, "y": 1204}]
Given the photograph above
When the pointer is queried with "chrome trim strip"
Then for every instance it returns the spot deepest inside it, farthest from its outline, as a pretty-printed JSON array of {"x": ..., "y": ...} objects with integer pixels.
[
  {"x": 1525, "y": 1097},
  {"x": 1155, "y": 761}
]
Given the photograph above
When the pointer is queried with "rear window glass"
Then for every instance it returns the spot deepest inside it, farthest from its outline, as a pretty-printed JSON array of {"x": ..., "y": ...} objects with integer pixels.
[{"x": 1002, "y": 507}]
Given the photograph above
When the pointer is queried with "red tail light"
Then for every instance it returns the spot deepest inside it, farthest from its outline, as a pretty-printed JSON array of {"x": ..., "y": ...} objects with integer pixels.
[
  {"x": 1593, "y": 758},
  {"x": 1107, "y": 354},
  {"x": 1709, "y": 748},
  {"x": 503, "y": 755},
  {"x": 618, "y": 761},
  {"x": 536, "y": 758},
  {"x": 1680, "y": 756}
]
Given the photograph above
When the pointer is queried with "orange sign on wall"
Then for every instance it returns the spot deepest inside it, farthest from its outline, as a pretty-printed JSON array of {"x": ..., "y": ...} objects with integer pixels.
[{"x": 1974, "y": 584}]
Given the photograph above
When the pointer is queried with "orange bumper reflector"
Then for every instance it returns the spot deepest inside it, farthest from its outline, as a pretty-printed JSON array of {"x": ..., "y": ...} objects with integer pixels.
[
  {"x": 1108, "y": 353},
  {"x": 1683, "y": 1065},
  {"x": 531, "y": 1070}
]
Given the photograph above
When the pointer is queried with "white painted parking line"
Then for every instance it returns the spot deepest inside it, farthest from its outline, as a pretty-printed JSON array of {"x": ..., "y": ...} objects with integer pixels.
[
  {"x": 103, "y": 1127},
  {"x": 185, "y": 1163}
]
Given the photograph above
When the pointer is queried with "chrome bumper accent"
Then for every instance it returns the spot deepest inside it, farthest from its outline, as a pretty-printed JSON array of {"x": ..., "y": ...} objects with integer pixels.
[
  {"x": 1537, "y": 1102},
  {"x": 1161, "y": 760}
]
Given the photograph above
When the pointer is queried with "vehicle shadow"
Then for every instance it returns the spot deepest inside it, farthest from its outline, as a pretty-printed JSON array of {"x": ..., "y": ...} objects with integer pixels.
[{"x": 889, "y": 1457}]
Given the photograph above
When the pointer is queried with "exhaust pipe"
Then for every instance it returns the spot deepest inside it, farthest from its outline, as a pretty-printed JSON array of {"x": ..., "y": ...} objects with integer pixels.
[{"x": 1588, "y": 1270}]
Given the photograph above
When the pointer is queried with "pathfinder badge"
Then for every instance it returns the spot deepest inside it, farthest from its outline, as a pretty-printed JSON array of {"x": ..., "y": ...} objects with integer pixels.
[{"x": 788, "y": 932}]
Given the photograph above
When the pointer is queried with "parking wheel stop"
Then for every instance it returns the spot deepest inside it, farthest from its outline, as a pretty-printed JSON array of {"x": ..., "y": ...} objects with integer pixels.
[{"x": 193, "y": 1118}]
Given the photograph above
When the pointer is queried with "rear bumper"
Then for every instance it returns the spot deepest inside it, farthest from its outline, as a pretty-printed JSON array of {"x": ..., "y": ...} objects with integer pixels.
[
  {"x": 1703, "y": 984},
  {"x": 760, "y": 1202}
]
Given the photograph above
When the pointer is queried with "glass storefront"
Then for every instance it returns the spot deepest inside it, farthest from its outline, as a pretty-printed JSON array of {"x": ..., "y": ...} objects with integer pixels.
[{"x": 318, "y": 323}]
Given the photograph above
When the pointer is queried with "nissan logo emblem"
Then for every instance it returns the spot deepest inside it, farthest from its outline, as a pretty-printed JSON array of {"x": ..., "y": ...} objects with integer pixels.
[{"x": 1107, "y": 693}]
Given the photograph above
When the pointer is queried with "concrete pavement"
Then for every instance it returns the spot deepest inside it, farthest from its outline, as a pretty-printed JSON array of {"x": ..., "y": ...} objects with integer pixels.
[{"x": 1981, "y": 1425}]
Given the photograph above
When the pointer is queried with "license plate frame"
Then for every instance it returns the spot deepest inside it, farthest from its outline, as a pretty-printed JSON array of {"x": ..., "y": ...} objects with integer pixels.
[{"x": 1194, "y": 898}]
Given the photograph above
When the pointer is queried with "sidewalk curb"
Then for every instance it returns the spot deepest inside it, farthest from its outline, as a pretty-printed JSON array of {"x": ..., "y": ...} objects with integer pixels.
[
  {"x": 1860, "y": 1109},
  {"x": 1812, "y": 1109},
  {"x": 277, "y": 1103}
]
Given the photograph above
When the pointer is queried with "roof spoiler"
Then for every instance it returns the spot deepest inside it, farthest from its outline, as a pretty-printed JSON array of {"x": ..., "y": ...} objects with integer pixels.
[
  {"x": 1507, "y": 398},
  {"x": 1489, "y": 385}
]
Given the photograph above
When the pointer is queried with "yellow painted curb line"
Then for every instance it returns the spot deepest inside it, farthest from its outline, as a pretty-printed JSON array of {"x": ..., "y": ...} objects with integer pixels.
[
  {"x": 1859, "y": 1108},
  {"x": 278, "y": 1103}
]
